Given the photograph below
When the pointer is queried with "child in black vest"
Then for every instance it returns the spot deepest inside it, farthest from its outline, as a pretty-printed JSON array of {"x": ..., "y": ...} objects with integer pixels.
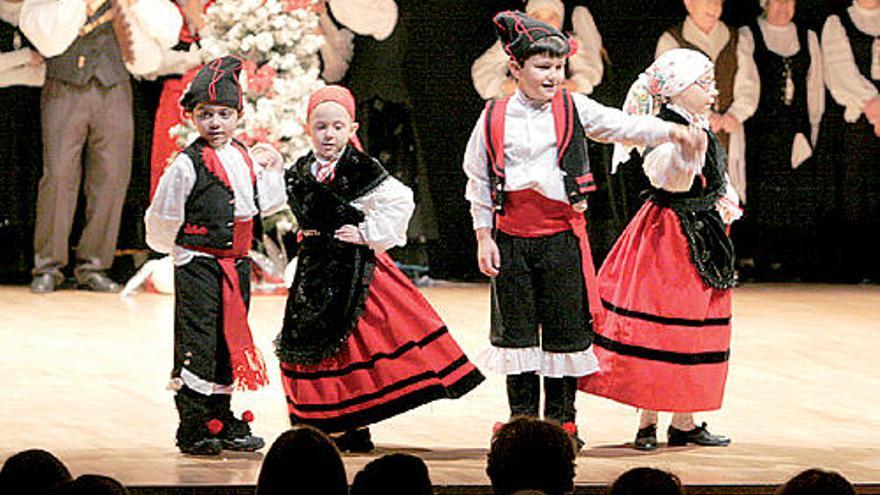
[
  {"x": 528, "y": 180},
  {"x": 205, "y": 213}
]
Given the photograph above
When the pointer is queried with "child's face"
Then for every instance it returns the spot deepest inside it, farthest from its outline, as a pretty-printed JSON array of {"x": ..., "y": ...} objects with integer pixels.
[
  {"x": 539, "y": 77},
  {"x": 699, "y": 96},
  {"x": 704, "y": 13},
  {"x": 780, "y": 12},
  {"x": 215, "y": 123},
  {"x": 330, "y": 128}
]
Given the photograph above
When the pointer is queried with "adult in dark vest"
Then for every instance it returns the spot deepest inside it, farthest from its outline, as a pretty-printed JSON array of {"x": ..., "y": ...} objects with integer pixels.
[
  {"x": 735, "y": 74},
  {"x": 22, "y": 72},
  {"x": 780, "y": 187},
  {"x": 851, "y": 52},
  {"x": 86, "y": 113}
]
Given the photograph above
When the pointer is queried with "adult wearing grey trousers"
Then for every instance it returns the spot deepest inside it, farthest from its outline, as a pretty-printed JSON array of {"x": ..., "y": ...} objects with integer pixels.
[{"x": 86, "y": 113}]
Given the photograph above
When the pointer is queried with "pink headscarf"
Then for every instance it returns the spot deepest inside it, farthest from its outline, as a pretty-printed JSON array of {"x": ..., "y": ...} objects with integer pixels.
[{"x": 337, "y": 94}]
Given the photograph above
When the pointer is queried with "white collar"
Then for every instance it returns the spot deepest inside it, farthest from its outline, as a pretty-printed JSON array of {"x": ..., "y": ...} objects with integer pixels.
[
  {"x": 323, "y": 161},
  {"x": 528, "y": 102},
  {"x": 772, "y": 27},
  {"x": 716, "y": 35}
]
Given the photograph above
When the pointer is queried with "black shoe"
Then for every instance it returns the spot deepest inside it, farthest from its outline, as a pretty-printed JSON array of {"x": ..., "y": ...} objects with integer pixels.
[
  {"x": 205, "y": 446},
  {"x": 43, "y": 283},
  {"x": 646, "y": 438},
  {"x": 698, "y": 436},
  {"x": 355, "y": 441},
  {"x": 247, "y": 443},
  {"x": 98, "y": 282}
]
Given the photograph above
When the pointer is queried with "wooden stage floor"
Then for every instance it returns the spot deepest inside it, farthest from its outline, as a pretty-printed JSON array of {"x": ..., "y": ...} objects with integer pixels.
[{"x": 84, "y": 376}]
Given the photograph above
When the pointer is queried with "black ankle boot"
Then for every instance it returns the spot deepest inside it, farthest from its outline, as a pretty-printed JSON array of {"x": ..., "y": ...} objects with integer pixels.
[
  {"x": 646, "y": 438},
  {"x": 236, "y": 433},
  {"x": 194, "y": 435}
]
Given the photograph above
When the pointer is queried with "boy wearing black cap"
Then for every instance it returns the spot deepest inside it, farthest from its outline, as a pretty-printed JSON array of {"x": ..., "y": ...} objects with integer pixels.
[
  {"x": 203, "y": 213},
  {"x": 528, "y": 179}
]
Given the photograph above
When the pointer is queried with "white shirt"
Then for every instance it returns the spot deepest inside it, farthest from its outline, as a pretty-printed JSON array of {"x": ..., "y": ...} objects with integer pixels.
[
  {"x": 530, "y": 160},
  {"x": 387, "y": 210},
  {"x": 53, "y": 25},
  {"x": 166, "y": 213},
  {"x": 15, "y": 67},
  {"x": 848, "y": 86},
  {"x": 746, "y": 86}
]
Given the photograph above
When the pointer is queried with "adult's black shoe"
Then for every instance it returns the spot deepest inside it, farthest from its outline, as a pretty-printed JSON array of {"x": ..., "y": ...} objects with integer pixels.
[
  {"x": 98, "y": 282},
  {"x": 43, "y": 283},
  {"x": 697, "y": 436},
  {"x": 646, "y": 438}
]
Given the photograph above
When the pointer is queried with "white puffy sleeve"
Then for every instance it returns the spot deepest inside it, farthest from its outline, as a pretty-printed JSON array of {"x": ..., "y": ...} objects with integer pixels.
[
  {"x": 52, "y": 25},
  {"x": 155, "y": 26},
  {"x": 166, "y": 212},
  {"x": 608, "y": 124},
  {"x": 387, "y": 210},
  {"x": 586, "y": 65},
  {"x": 667, "y": 169},
  {"x": 847, "y": 85},
  {"x": 815, "y": 86},
  {"x": 746, "y": 82},
  {"x": 489, "y": 72}
]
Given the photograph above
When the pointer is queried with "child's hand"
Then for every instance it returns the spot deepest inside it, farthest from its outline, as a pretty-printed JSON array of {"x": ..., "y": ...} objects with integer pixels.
[
  {"x": 267, "y": 156},
  {"x": 349, "y": 233},
  {"x": 580, "y": 206},
  {"x": 690, "y": 140},
  {"x": 488, "y": 256}
]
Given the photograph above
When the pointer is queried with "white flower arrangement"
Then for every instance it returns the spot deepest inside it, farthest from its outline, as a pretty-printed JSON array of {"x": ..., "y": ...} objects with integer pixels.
[{"x": 279, "y": 42}]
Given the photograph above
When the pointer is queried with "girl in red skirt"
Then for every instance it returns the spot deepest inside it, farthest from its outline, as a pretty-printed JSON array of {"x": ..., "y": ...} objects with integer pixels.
[
  {"x": 664, "y": 341},
  {"x": 360, "y": 343}
]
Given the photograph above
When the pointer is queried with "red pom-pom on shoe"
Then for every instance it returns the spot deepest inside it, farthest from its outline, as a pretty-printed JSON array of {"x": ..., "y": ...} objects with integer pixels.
[
  {"x": 215, "y": 426},
  {"x": 247, "y": 416},
  {"x": 570, "y": 428}
]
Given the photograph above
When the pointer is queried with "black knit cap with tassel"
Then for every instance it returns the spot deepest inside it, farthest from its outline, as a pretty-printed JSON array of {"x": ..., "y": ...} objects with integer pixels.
[
  {"x": 216, "y": 83},
  {"x": 517, "y": 32}
]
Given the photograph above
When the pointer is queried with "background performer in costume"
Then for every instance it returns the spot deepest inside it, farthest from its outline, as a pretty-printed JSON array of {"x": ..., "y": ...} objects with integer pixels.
[
  {"x": 528, "y": 179},
  {"x": 664, "y": 339},
  {"x": 205, "y": 212},
  {"x": 360, "y": 343}
]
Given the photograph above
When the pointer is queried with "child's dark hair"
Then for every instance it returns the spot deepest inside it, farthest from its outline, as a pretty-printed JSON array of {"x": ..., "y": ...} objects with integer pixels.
[
  {"x": 646, "y": 480},
  {"x": 529, "y": 453},
  {"x": 302, "y": 460},
  {"x": 552, "y": 46},
  {"x": 815, "y": 482},
  {"x": 393, "y": 474}
]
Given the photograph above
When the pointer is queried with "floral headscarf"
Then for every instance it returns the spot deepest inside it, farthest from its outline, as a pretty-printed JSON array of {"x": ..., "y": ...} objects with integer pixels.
[{"x": 672, "y": 72}]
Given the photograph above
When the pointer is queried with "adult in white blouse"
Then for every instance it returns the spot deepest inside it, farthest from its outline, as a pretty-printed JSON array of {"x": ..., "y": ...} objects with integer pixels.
[
  {"x": 87, "y": 107},
  {"x": 782, "y": 132},
  {"x": 735, "y": 74},
  {"x": 21, "y": 74},
  {"x": 851, "y": 50},
  {"x": 584, "y": 71}
]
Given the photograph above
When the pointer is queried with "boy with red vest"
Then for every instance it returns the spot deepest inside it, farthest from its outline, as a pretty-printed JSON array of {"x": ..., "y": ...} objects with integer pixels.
[
  {"x": 205, "y": 212},
  {"x": 528, "y": 179}
]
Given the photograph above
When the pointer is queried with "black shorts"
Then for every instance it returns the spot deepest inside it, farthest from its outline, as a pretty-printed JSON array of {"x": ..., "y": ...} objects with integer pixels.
[{"x": 539, "y": 297}]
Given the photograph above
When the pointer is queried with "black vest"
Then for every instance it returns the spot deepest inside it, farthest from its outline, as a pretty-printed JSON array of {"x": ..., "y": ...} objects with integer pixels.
[
  {"x": 209, "y": 215},
  {"x": 8, "y": 35},
  {"x": 95, "y": 55},
  {"x": 710, "y": 247},
  {"x": 332, "y": 277},
  {"x": 861, "y": 45},
  {"x": 772, "y": 68}
]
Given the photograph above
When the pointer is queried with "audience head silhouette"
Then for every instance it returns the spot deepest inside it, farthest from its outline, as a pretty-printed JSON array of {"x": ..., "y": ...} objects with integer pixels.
[
  {"x": 644, "y": 480},
  {"x": 529, "y": 454},
  {"x": 393, "y": 474},
  {"x": 90, "y": 484},
  {"x": 817, "y": 482},
  {"x": 32, "y": 472},
  {"x": 302, "y": 460}
]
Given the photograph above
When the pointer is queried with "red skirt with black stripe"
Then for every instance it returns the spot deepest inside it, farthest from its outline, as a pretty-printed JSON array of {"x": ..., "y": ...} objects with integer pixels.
[
  {"x": 664, "y": 339},
  {"x": 399, "y": 356}
]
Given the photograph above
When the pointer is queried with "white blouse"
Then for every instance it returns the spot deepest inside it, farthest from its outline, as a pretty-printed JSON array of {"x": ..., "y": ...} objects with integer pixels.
[
  {"x": 53, "y": 25},
  {"x": 848, "y": 86},
  {"x": 530, "y": 148},
  {"x": 15, "y": 67}
]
